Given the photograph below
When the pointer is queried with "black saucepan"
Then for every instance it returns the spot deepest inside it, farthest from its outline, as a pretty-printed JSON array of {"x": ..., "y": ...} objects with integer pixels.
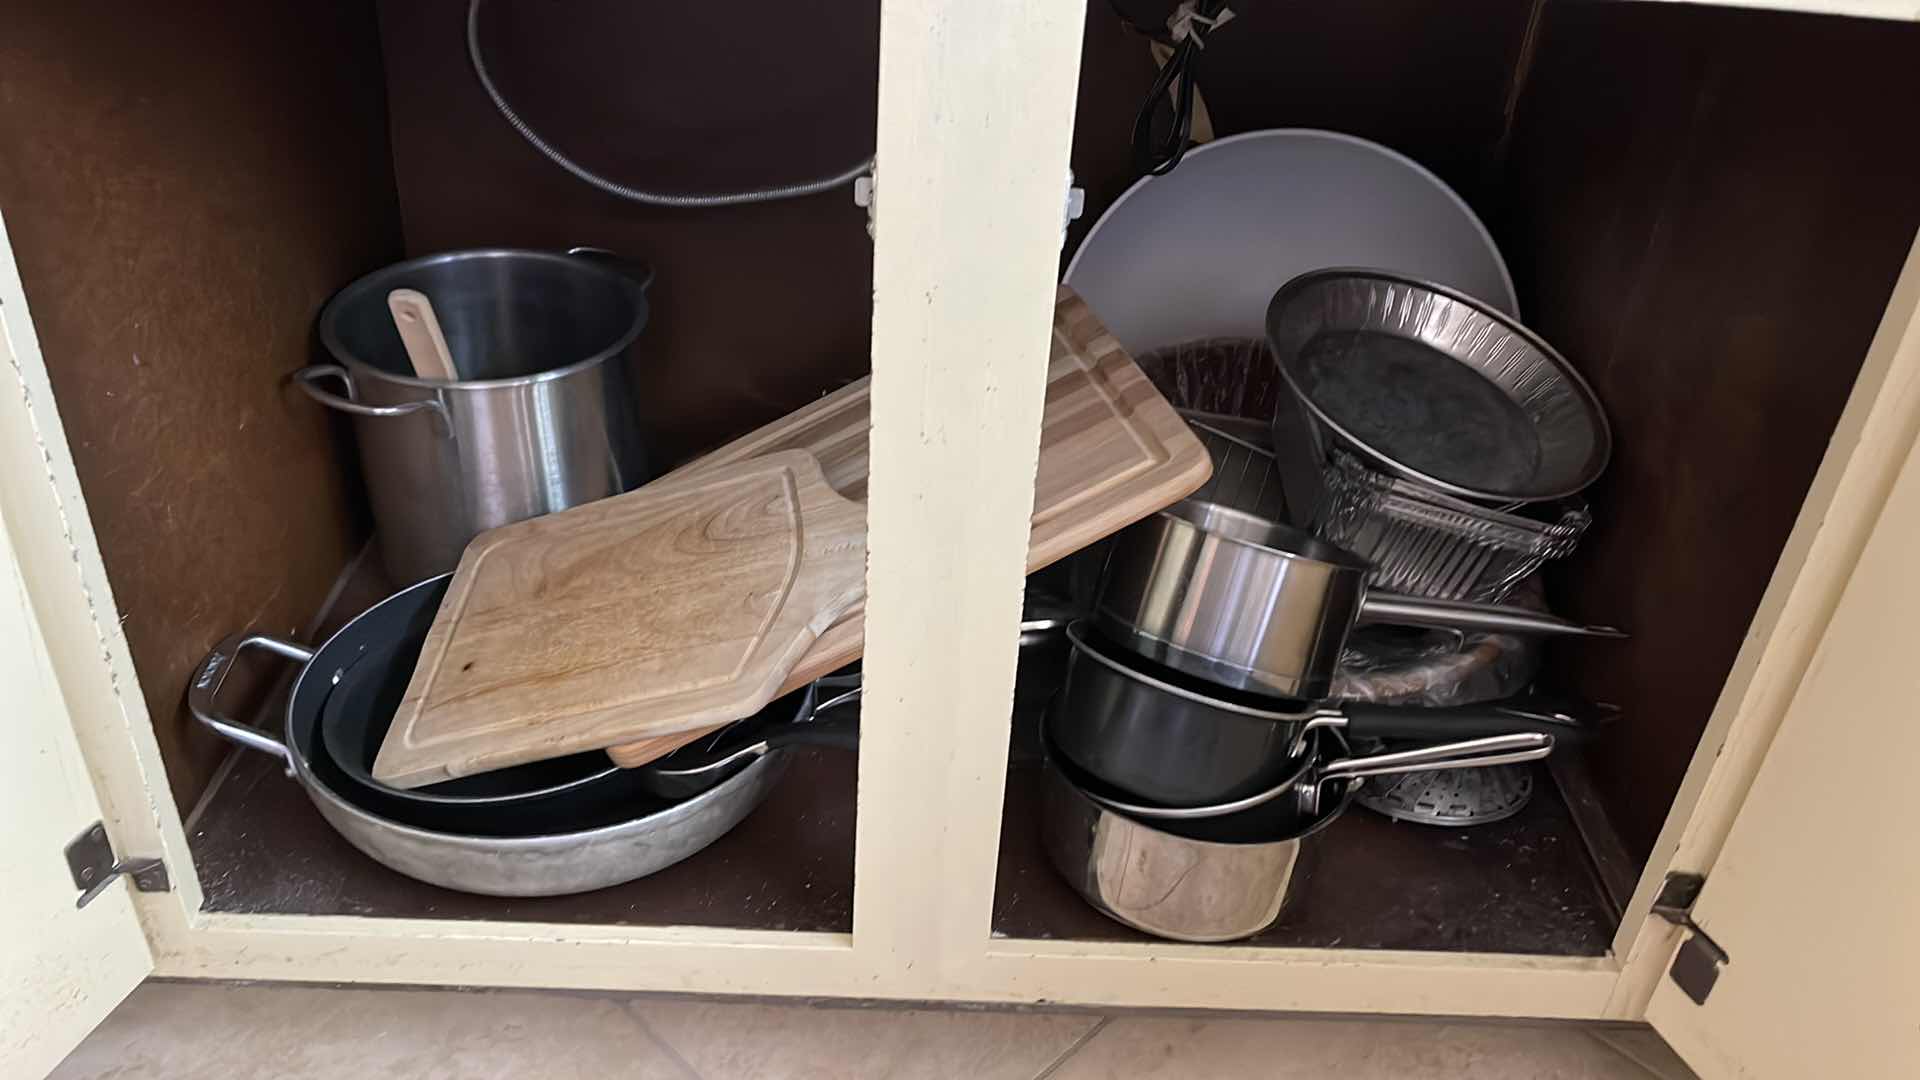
[{"x": 1173, "y": 740}]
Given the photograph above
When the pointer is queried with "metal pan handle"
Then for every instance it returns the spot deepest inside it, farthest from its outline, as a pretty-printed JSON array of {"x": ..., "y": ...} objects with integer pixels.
[
  {"x": 1567, "y": 719},
  {"x": 204, "y": 692},
  {"x": 1465, "y": 754},
  {"x": 308, "y": 378},
  {"x": 1462, "y": 615},
  {"x": 811, "y": 729},
  {"x": 641, "y": 272}
]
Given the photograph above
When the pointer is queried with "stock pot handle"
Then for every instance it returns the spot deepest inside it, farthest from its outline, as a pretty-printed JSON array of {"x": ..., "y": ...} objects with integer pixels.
[
  {"x": 203, "y": 693},
  {"x": 641, "y": 272},
  {"x": 309, "y": 378}
]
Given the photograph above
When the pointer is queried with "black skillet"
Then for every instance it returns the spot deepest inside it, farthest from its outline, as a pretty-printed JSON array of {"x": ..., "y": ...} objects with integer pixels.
[{"x": 556, "y": 794}]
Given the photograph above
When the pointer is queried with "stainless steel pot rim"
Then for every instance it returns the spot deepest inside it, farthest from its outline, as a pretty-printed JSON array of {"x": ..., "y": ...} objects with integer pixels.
[
  {"x": 330, "y": 317},
  {"x": 1602, "y": 429},
  {"x": 1076, "y": 634},
  {"x": 1311, "y": 548}
]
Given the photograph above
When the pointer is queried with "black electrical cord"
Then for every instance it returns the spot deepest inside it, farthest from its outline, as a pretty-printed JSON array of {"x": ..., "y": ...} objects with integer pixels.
[{"x": 1163, "y": 128}]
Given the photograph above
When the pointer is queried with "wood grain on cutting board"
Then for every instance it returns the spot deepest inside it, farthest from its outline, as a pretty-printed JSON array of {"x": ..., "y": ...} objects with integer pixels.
[
  {"x": 672, "y": 608},
  {"x": 1112, "y": 451}
]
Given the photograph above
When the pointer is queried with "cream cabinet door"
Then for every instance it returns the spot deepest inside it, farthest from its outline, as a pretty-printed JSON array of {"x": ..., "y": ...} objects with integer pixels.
[
  {"x": 62, "y": 967},
  {"x": 1815, "y": 899}
]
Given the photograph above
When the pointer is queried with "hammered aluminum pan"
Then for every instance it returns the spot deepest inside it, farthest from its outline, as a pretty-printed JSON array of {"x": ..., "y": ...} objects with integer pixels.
[{"x": 1436, "y": 387}]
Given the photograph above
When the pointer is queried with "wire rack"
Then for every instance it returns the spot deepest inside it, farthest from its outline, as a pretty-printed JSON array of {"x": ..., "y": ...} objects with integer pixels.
[{"x": 1244, "y": 474}]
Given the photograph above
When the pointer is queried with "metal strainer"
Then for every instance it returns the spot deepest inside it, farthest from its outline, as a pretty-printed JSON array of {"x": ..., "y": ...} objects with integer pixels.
[{"x": 1451, "y": 796}]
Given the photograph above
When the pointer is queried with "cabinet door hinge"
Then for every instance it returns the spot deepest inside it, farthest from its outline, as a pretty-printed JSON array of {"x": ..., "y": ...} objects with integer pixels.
[
  {"x": 91, "y": 861},
  {"x": 1696, "y": 967}
]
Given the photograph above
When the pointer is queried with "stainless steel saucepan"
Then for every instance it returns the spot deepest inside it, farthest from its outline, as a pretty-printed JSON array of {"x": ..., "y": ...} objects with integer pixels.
[
  {"x": 1218, "y": 879},
  {"x": 1212, "y": 879},
  {"x": 1252, "y": 604}
]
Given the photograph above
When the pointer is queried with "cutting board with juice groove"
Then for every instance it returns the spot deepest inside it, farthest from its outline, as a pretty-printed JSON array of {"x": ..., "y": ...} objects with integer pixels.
[
  {"x": 1112, "y": 451},
  {"x": 675, "y": 607}
]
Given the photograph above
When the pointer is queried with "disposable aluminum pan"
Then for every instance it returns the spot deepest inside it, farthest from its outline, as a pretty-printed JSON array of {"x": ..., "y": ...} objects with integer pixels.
[
  {"x": 1436, "y": 387},
  {"x": 1422, "y": 543}
]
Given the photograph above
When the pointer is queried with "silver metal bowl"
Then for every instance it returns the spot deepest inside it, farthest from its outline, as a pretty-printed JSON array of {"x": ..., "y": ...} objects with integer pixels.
[{"x": 1436, "y": 387}]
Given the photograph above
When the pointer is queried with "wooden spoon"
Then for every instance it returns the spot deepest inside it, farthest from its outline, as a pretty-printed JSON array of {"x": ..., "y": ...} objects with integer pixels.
[{"x": 420, "y": 332}]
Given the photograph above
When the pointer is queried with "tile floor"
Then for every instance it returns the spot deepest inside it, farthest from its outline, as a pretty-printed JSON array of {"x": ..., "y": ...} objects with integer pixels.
[{"x": 176, "y": 1031}]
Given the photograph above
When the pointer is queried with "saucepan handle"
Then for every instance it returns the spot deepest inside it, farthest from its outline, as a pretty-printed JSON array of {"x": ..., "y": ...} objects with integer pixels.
[
  {"x": 1566, "y": 719},
  {"x": 204, "y": 692},
  {"x": 1463, "y": 754},
  {"x": 1460, "y": 615}
]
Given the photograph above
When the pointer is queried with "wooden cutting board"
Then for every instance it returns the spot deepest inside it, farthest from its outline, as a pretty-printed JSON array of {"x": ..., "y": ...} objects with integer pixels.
[
  {"x": 675, "y": 607},
  {"x": 1112, "y": 451}
]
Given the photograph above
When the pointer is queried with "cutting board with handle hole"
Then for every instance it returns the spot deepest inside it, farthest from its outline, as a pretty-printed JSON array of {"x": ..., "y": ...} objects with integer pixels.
[
  {"x": 671, "y": 608},
  {"x": 1112, "y": 451}
]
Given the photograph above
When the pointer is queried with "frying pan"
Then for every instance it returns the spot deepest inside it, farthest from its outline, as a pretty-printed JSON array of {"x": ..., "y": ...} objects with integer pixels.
[
  {"x": 1253, "y": 604},
  {"x": 1163, "y": 737},
  {"x": 367, "y": 688},
  {"x": 515, "y": 858}
]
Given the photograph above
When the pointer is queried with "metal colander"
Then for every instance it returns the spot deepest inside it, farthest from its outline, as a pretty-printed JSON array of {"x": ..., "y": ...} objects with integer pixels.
[{"x": 1451, "y": 796}]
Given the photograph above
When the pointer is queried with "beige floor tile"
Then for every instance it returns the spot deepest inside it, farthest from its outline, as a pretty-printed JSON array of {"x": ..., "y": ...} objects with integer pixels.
[
  {"x": 174, "y": 1031},
  {"x": 1351, "y": 1050},
  {"x": 776, "y": 1042}
]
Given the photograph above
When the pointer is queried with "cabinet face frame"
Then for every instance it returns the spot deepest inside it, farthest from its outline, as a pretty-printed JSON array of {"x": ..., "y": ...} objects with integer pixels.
[{"x": 976, "y": 112}]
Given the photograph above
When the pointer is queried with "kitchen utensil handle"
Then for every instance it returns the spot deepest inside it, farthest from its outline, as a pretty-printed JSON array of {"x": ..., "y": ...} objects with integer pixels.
[
  {"x": 1573, "y": 721},
  {"x": 1463, "y": 754},
  {"x": 640, "y": 271},
  {"x": 204, "y": 692},
  {"x": 1461, "y": 615},
  {"x": 309, "y": 379},
  {"x": 420, "y": 333}
]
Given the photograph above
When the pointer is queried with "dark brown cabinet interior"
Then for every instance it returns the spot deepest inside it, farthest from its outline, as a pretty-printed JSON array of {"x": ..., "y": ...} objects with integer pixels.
[{"x": 1704, "y": 209}]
